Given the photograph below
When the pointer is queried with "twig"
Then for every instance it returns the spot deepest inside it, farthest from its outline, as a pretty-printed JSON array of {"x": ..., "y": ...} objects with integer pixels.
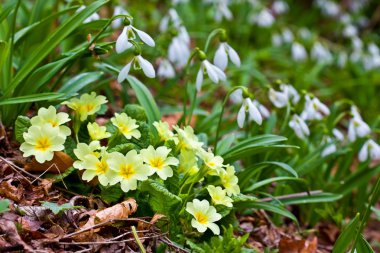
[
  {"x": 290, "y": 196},
  {"x": 59, "y": 172},
  {"x": 20, "y": 170},
  {"x": 173, "y": 245},
  {"x": 109, "y": 242}
]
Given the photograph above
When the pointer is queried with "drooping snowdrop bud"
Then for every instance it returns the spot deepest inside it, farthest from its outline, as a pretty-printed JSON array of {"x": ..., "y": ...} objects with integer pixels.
[
  {"x": 236, "y": 96},
  {"x": 280, "y": 7},
  {"x": 94, "y": 16},
  {"x": 299, "y": 126},
  {"x": 264, "y": 18},
  {"x": 328, "y": 7},
  {"x": 330, "y": 148},
  {"x": 357, "y": 43},
  {"x": 350, "y": 31},
  {"x": 118, "y": 22},
  {"x": 370, "y": 150},
  {"x": 278, "y": 99},
  {"x": 171, "y": 17},
  {"x": 179, "y": 48},
  {"x": 276, "y": 39},
  {"x": 291, "y": 93},
  {"x": 320, "y": 53},
  {"x": 304, "y": 33},
  {"x": 287, "y": 35},
  {"x": 165, "y": 69},
  {"x": 213, "y": 72},
  {"x": 222, "y": 54},
  {"x": 373, "y": 49},
  {"x": 298, "y": 52},
  {"x": 314, "y": 109},
  {"x": 262, "y": 109},
  {"x": 355, "y": 112},
  {"x": 129, "y": 33},
  {"x": 251, "y": 109},
  {"x": 357, "y": 128},
  {"x": 338, "y": 134},
  {"x": 222, "y": 11},
  {"x": 138, "y": 62}
]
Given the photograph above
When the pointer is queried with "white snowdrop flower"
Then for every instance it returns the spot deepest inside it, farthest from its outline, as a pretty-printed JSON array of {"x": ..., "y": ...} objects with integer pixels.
[
  {"x": 213, "y": 72},
  {"x": 357, "y": 43},
  {"x": 251, "y": 109},
  {"x": 356, "y": 56},
  {"x": 355, "y": 112},
  {"x": 350, "y": 31},
  {"x": 264, "y": 18},
  {"x": 357, "y": 128},
  {"x": 304, "y": 33},
  {"x": 165, "y": 69},
  {"x": 299, "y": 126},
  {"x": 118, "y": 22},
  {"x": 262, "y": 109},
  {"x": 328, "y": 8},
  {"x": 345, "y": 18},
  {"x": 94, "y": 16},
  {"x": 236, "y": 96},
  {"x": 172, "y": 17},
  {"x": 320, "y": 53},
  {"x": 276, "y": 39},
  {"x": 342, "y": 59},
  {"x": 138, "y": 62},
  {"x": 179, "y": 48},
  {"x": 370, "y": 150},
  {"x": 278, "y": 99},
  {"x": 290, "y": 92},
  {"x": 314, "y": 109},
  {"x": 129, "y": 33},
  {"x": 298, "y": 52},
  {"x": 373, "y": 49},
  {"x": 338, "y": 134},
  {"x": 222, "y": 54},
  {"x": 280, "y": 7},
  {"x": 330, "y": 148},
  {"x": 222, "y": 11},
  {"x": 287, "y": 35},
  {"x": 175, "y": 2}
]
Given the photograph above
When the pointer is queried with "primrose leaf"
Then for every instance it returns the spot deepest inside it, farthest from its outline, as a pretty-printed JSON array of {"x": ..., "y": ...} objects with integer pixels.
[
  {"x": 21, "y": 126},
  {"x": 136, "y": 112},
  {"x": 56, "y": 209},
  {"x": 4, "y": 205}
]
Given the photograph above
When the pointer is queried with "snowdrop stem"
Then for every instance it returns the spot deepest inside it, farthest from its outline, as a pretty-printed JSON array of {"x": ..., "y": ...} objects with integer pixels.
[
  {"x": 286, "y": 119},
  {"x": 212, "y": 35},
  {"x": 221, "y": 116},
  {"x": 104, "y": 28}
]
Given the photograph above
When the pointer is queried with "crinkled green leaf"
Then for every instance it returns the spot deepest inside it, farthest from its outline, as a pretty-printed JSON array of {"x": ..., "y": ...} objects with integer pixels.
[{"x": 21, "y": 126}]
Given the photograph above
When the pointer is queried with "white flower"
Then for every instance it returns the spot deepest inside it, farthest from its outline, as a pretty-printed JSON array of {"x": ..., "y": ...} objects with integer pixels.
[
  {"x": 50, "y": 116},
  {"x": 276, "y": 39},
  {"x": 118, "y": 22},
  {"x": 290, "y": 92},
  {"x": 94, "y": 16},
  {"x": 330, "y": 148},
  {"x": 126, "y": 125},
  {"x": 342, "y": 59},
  {"x": 280, "y": 7},
  {"x": 213, "y": 72},
  {"x": 357, "y": 128},
  {"x": 252, "y": 110},
  {"x": 320, "y": 53},
  {"x": 222, "y": 11},
  {"x": 219, "y": 196},
  {"x": 279, "y": 99},
  {"x": 129, "y": 33},
  {"x": 304, "y": 33},
  {"x": 236, "y": 96},
  {"x": 221, "y": 56},
  {"x": 204, "y": 216},
  {"x": 179, "y": 48},
  {"x": 373, "y": 49},
  {"x": 262, "y": 109},
  {"x": 172, "y": 17},
  {"x": 338, "y": 134},
  {"x": 314, "y": 109},
  {"x": 264, "y": 18},
  {"x": 213, "y": 163},
  {"x": 299, "y": 126},
  {"x": 350, "y": 31},
  {"x": 138, "y": 63},
  {"x": 287, "y": 35},
  {"x": 298, "y": 52},
  {"x": 229, "y": 180},
  {"x": 371, "y": 150},
  {"x": 165, "y": 69}
]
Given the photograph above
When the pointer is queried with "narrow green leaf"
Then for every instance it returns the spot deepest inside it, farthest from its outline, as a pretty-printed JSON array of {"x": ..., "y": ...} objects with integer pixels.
[
  {"x": 347, "y": 236},
  {"x": 51, "y": 42},
  {"x": 79, "y": 82},
  {"x": 6, "y": 10},
  {"x": 283, "y": 166},
  {"x": 363, "y": 245},
  {"x": 272, "y": 180},
  {"x": 32, "y": 98},
  {"x": 145, "y": 98},
  {"x": 319, "y": 198}
]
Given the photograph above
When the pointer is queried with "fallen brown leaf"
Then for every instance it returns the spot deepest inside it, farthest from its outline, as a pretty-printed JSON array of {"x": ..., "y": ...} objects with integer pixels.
[
  {"x": 12, "y": 236},
  {"x": 59, "y": 164},
  {"x": 288, "y": 245},
  {"x": 11, "y": 192}
]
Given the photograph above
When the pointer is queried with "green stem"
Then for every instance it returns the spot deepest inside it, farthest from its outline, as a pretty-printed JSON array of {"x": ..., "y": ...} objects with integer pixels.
[
  {"x": 10, "y": 62},
  {"x": 211, "y": 36},
  {"x": 373, "y": 199},
  {"x": 192, "y": 107},
  {"x": 138, "y": 240},
  {"x": 221, "y": 116}
]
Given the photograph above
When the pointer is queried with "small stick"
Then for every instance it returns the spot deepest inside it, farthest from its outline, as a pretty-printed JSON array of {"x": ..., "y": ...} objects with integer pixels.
[
  {"x": 301, "y": 194},
  {"x": 19, "y": 170},
  {"x": 108, "y": 242}
]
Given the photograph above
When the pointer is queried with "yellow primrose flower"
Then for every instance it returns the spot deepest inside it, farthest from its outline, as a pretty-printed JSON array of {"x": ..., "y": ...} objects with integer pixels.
[
  {"x": 229, "y": 180},
  {"x": 53, "y": 118},
  {"x": 41, "y": 141},
  {"x": 83, "y": 149},
  {"x": 188, "y": 162},
  {"x": 126, "y": 125},
  {"x": 97, "y": 132},
  {"x": 204, "y": 216},
  {"x": 187, "y": 139},
  {"x": 158, "y": 161},
  {"x": 99, "y": 167},
  {"x": 164, "y": 131},
  {"x": 218, "y": 196},
  {"x": 87, "y": 104},
  {"x": 129, "y": 169},
  {"x": 213, "y": 163}
]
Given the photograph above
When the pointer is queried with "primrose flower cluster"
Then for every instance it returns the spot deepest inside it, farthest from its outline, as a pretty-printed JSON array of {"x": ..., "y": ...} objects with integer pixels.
[{"x": 173, "y": 151}]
